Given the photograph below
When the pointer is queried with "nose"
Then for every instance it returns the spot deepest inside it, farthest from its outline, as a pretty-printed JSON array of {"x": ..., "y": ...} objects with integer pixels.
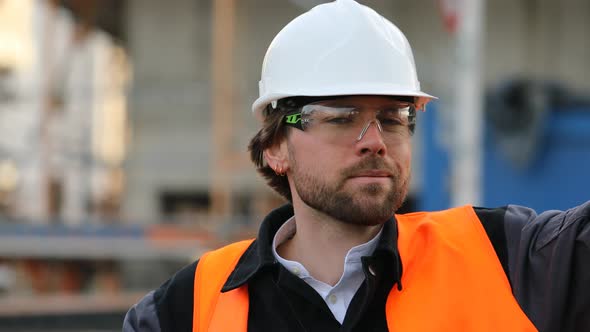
[{"x": 370, "y": 140}]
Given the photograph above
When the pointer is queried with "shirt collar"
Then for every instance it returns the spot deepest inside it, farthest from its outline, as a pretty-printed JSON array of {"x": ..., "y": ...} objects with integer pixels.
[
  {"x": 259, "y": 256},
  {"x": 285, "y": 232},
  {"x": 288, "y": 230}
]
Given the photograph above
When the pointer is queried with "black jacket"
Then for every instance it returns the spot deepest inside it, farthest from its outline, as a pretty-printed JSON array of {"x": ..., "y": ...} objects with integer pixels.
[{"x": 546, "y": 258}]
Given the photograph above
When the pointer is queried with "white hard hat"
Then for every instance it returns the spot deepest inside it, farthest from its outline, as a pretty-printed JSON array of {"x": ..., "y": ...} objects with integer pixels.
[{"x": 338, "y": 48}]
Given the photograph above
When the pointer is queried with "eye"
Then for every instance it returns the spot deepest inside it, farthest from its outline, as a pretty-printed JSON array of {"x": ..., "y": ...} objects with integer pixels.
[
  {"x": 334, "y": 116},
  {"x": 391, "y": 122},
  {"x": 342, "y": 119},
  {"x": 393, "y": 117}
]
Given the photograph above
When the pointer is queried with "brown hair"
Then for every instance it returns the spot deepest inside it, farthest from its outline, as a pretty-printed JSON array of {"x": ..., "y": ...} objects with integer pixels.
[{"x": 272, "y": 132}]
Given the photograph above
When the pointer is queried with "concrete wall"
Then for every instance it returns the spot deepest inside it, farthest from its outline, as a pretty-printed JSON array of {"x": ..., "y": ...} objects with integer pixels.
[{"x": 169, "y": 43}]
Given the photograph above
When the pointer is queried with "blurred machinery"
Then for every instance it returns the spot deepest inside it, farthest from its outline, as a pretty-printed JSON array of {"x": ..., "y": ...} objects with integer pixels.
[{"x": 536, "y": 149}]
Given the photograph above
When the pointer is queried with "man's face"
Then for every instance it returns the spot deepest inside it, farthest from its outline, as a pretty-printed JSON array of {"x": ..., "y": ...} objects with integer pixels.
[{"x": 357, "y": 181}]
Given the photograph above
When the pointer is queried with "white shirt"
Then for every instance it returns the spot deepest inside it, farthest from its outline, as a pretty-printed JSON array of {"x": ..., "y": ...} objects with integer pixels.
[{"x": 339, "y": 296}]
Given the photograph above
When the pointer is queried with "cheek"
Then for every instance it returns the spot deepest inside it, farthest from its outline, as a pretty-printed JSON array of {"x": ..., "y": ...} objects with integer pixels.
[
  {"x": 402, "y": 155},
  {"x": 313, "y": 159},
  {"x": 303, "y": 152}
]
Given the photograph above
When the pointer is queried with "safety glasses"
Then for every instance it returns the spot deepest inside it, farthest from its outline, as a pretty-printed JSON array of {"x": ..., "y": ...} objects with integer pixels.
[{"x": 335, "y": 120}]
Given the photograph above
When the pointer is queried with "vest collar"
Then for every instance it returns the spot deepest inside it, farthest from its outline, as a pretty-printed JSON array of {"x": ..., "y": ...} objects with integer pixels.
[{"x": 259, "y": 256}]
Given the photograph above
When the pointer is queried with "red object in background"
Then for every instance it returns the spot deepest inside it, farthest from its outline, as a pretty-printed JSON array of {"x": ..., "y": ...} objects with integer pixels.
[
  {"x": 39, "y": 274},
  {"x": 449, "y": 11}
]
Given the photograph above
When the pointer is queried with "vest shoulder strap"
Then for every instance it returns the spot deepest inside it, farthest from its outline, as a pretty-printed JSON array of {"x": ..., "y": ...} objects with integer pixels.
[
  {"x": 452, "y": 274},
  {"x": 212, "y": 272}
]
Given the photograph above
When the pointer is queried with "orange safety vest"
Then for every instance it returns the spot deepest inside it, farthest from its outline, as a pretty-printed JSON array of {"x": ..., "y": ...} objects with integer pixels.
[{"x": 452, "y": 281}]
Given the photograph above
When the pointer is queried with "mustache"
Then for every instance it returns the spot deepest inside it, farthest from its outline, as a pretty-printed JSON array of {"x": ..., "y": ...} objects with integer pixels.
[{"x": 368, "y": 164}]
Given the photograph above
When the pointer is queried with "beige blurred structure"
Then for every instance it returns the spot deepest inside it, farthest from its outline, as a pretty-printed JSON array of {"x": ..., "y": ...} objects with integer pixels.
[
  {"x": 64, "y": 119},
  {"x": 63, "y": 140}
]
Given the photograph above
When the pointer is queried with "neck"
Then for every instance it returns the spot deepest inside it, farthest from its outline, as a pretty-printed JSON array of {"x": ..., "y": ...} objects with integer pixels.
[{"x": 321, "y": 243}]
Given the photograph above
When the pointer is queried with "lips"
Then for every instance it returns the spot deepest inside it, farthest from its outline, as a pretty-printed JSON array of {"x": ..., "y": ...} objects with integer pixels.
[{"x": 372, "y": 174}]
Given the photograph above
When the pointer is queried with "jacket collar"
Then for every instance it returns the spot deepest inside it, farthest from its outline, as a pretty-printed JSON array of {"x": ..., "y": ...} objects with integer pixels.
[{"x": 259, "y": 256}]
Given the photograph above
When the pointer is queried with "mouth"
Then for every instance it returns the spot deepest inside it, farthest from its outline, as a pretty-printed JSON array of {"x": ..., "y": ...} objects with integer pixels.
[
  {"x": 372, "y": 174},
  {"x": 381, "y": 179}
]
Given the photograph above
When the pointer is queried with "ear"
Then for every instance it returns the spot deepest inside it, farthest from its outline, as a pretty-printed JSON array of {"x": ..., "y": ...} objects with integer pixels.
[{"x": 276, "y": 157}]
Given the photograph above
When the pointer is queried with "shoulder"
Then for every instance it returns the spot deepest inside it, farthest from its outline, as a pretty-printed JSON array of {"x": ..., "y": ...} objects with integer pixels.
[
  {"x": 142, "y": 316},
  {"x": 549, "y": 255},
  {"x": 523, "y": 224},
  {"x": 168, "y": 308},
  {"x": 174, "y": 300}
]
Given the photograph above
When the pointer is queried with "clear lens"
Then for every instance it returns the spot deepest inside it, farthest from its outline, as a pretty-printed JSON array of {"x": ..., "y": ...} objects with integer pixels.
[{"x": 345, "y": 123}]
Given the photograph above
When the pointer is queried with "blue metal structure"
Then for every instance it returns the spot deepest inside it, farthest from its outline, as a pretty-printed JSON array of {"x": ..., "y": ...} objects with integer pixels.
[{"x": 558, "y": 178}]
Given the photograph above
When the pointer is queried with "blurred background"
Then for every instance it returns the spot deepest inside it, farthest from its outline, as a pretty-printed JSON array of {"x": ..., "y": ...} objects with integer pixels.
[{"x": 124, "y": 126}]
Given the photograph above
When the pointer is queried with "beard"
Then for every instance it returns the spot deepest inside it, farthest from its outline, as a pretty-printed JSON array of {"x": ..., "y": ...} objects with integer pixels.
[{"x": 367, "y": 205}]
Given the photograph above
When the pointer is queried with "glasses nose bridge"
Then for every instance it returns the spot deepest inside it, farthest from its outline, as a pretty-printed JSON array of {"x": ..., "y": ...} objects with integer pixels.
[{"x": 366, "y": 128}]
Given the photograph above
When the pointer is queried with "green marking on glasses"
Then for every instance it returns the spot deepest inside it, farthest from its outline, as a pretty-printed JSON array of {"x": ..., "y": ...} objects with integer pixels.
[{"x": 293, "y": 118}]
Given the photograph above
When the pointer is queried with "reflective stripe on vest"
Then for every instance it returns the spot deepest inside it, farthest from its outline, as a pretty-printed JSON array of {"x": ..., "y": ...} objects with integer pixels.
[{"x": 452, "y": 281}]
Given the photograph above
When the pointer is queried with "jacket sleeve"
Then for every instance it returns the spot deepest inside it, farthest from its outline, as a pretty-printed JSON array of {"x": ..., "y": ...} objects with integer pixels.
[
  {"x": 547, "y": 258},
  {"x": 167, "y": 309},
  {"x": 142, "y": 316}
]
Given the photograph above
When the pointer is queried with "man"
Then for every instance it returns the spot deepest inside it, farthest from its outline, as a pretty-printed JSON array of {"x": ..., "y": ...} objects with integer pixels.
[{"x": 338, "y": 101}]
